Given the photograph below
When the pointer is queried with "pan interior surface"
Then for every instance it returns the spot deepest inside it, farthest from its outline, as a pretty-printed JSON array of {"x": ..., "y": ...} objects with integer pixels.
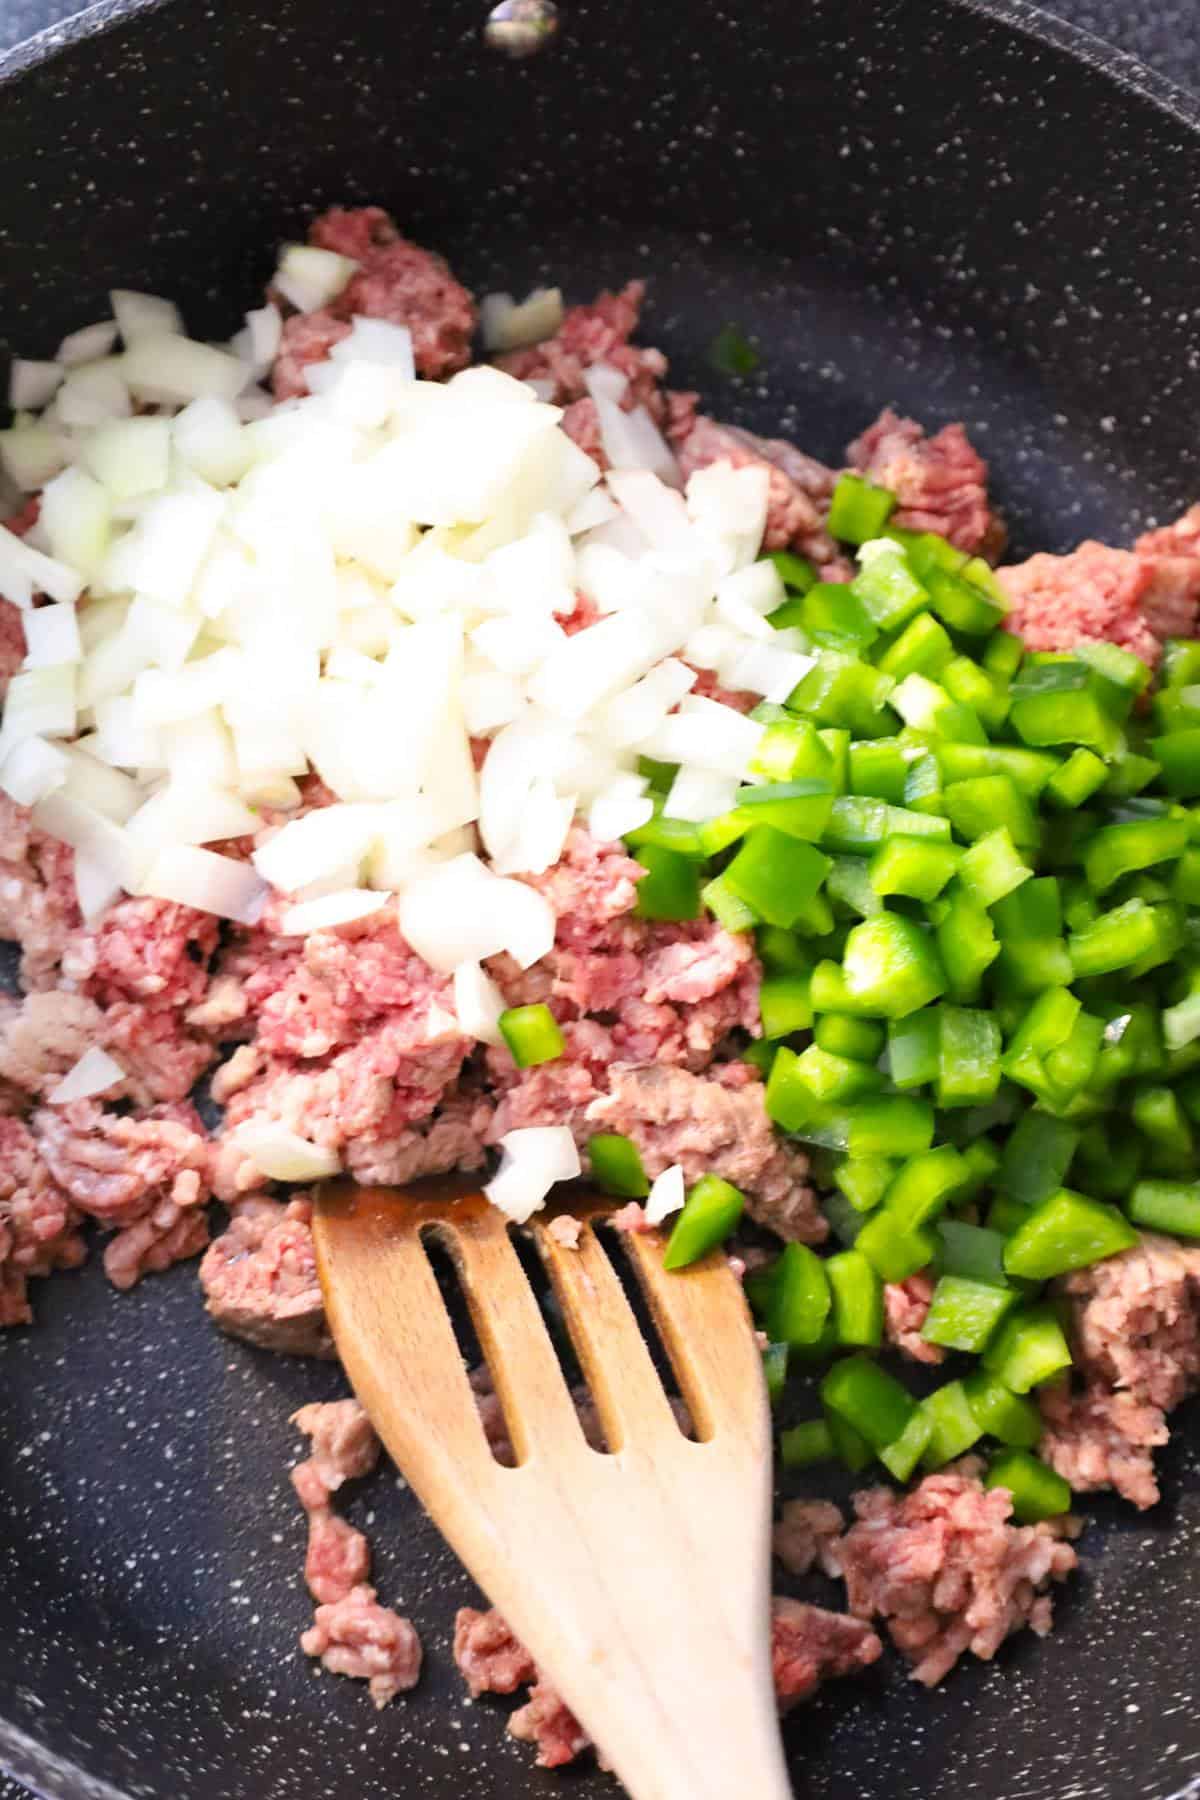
[{"x": 923, "y": 205}]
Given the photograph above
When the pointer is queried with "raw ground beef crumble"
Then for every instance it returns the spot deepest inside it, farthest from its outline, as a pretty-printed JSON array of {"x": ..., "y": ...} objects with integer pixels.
[{"x": 348, "y": 1037}]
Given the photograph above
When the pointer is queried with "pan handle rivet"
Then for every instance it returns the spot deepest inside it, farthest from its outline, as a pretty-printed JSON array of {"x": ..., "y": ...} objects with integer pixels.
[{"x": 520, "y": 28}]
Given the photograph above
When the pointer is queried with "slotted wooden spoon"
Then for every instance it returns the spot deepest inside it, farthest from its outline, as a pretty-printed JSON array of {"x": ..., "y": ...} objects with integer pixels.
[{"x": 638, "y": 1580}]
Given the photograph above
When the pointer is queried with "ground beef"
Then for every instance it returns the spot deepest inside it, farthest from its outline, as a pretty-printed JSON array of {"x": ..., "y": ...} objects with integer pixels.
[
  {"x": 947, "y": 1571},
  {"x": 596, "y": 333},
  {"x": 260, "y": 1279},
  {"x": 807, "y": 1533},
  {"x": 45, "y": 1035},
  {"x": 547, "y": 1721},
  {"x": 708, "y": 1126},
  {"x": 905, "y": 1307},
  {"x": 356, "y": 1636},
  {"x": 143, "y": 950},
  {"x": 1130, "y": 598},
  {"x": 396, "y": 281},
  {"x": 454, "y": 1138},
  {"x": 117, "y": 1168},
  {"x": 810, "y": 1645},
  {"x": 489, "y": 1657},
  {"x": 1181, "y": 538},
  {"x": 38, "y": 907},
  {"x": 940, "y": 481},
  {"x": 39, "y": 1227},
  {"x": 1135, "y": 1331},
  {"x": 797, "y": 495},
  {"x": 12, "y": 640}
]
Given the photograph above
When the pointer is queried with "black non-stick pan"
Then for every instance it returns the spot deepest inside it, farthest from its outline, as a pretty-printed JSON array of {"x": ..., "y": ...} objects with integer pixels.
[{"x": 960, "y": 209}]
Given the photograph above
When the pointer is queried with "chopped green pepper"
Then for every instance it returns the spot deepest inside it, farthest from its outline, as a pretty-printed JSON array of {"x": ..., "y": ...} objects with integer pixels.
[
  {"x": 1037, "y": 1492},
  {"x": 710, "y": 1213},
  {"x": 617, "y": 1165},
  {"x": 532, "y": 1033},
  {"x": 869, "y": 1399}
]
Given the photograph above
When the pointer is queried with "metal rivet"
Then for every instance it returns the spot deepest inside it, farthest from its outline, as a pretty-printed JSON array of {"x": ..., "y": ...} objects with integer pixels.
[{"x": 519, "y": 28}]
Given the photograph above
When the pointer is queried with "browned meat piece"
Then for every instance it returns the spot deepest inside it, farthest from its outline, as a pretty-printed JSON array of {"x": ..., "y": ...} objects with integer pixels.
[
  {"x": 905, "y": 1308},
  {"x": 39, "y": 1227},
  {"x": 548, "y": 1722},
  {"x": 947, "y": 1571},
  {"x": 1100, "y": 1438},
  {"x": 344, "y": 1447},
  {"x": 808, "y": 1533},
  {"x": 1132, "y": 598},
  {"x": 356, "y": 1636},
  {"x": 260, "y": 1279},
  {"x": 397, "y": 281},
  {"x": 488, "y": 1655},
  {"x": 940, "y": 481},
  {"x": 810, "y": 1645}
]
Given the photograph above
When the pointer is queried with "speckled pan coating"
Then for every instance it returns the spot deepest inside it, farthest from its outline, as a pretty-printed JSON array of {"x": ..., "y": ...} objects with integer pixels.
[{"x": 954, "y": 208}]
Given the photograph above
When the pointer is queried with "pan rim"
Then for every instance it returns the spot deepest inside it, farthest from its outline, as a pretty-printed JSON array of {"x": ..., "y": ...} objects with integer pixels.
[{"x": 24, "y": 1759}]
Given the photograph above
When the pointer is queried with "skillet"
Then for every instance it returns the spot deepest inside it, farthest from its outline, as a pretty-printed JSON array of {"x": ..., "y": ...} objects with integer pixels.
[{"x": 963, "y": 209}]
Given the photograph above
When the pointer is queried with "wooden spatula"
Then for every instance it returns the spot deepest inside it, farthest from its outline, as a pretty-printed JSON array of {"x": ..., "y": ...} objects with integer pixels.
[{"x": 638, "y": 1579}]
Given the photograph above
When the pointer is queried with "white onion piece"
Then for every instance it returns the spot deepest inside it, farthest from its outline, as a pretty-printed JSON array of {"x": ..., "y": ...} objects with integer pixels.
[
  {"x": 283, "y": 1155},
  {"x": 210, "y": 438},
  {"x": 517, "y": 645},
  {"x": 715, "y": 647},
  {"x": 120, "y": 740},
  {"x": 161, "y": 556},
  {"x": 768, "y": 670},
  {"x": 89, "y": 833},
  {"x": 32, "y": 385},
  {"x": 530, "y": 749},
  {"x": 657, "y": 510},
  {"x": 596, "y": 508},
  {"x": 96, "y": 1072},
  {"x": 545, "y": 822},
  {"x": 51, "y": 636},
  {"x": 490, "y": 700},
  {"x": 532, "y": 1161},
  {"x": 309, "y": 278},
  {"x": 170, "y": 371},
  {"x": 141, "y": 316},
  {"x": 378, "y": 342},
  {"x": 31, "y": 454},
  {"x": 508, "y": 326},
  {"x": 620, "y": 807},
  {"x": 589, "y": 668},
  {"x": 461, "y": 912},
  {"x": 310, "y": 849},
  {"x": 707, "y": 734},
  {"x": 328, "y": 910},
  {"x": 200, "y": 749},
  {"x": 88, "y": 344},
  {"x": 39, "y": 703},
  {"x": 76, "y": 521},
  {"x": 478, "y": 1004},
  {"x": 756, "y": 589},
  {"x": 32, "y": 769},
  {"x": 728, "y": 507},
  {"x": 666, "y": 1195},
  {"x": 24, "y": 571},
  {"x": 130, "y": 457},
  {"x": 95, "y": 887},
  {"x": 634, "y": 714},
  {"x": 94, "y": 784},
  {"x": 92, "y": 395},
  {"x": 257, "y": 344},
  {"x": 344, "y": 664},
  {"x": 209, "y": 882},
  {"x": 167, "y": 635},
  {"x": 190, "y": 812},
  {"x": 698, "y": 794},
  {"x": 631, "y": 440},
  {"x": 162, "y": 699}
]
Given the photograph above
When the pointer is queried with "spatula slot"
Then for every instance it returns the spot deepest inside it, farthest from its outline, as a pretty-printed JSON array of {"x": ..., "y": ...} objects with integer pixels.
[{"x": 614, "y": 1243}]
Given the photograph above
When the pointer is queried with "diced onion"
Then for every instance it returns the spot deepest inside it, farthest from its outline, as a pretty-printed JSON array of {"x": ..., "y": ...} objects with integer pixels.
[
  {"x": 631, "y": 440},
  {"x": 508, "y": 326},
  {"x": 76, "y": 522},
  {"x": 32, "y": 769},
  {"x": 697, "y": 794},
  {"x": 106, "y": 846},
  {"x": 190, "y": 812},
  {"x": 620, "y": 808},
  {"x": 328, "y": 910},
  {"x": 87, "y": 345},
  {"x": 769, "y": 670},
  {"x": 666, "y": 1195},
  {"x": 461, "y": 912},
  {"x": 173, "y": 370},
  {"x": 51, "y": 636},
  {"x": 728, "y": 506},
  {"x": 478, "y": 1003},
  {"x": 211, "y": 439},
  {"x": 311, "y": 849},
  {"x": 96, "y": 1072},
  {"x": 309, "y": 278},
  {"x": 707, "y": 734},
  {"x": 39, "y": 702},
  {"x": 93, "y": 394},
  {"x": 130, "y": 456},
  {"x": 541, "y": 834},
  {"x": 491, "y": 699},
  {"x": 24, "y": 571},
  {"x": 533, "y": 1160},
  {"x": 657, "y": 510},
  {"x": 161, "y": 556},
  {"x": 32, "y": 385},
  {"x": 141, "y": 316},
  {"x": 209, "y": 882},
  {"x": 284, "y": 1155},
  {"x": 379, "y": 342},
  {"x": 31, "y": 454},
  {"x": 96, "y": 888}
]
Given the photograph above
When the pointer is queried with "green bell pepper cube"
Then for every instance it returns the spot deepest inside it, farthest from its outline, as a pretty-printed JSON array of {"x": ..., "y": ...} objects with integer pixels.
[
  {"x": 858, "y": 823},
  {"x": 719, "y": 833},
  {"x": 710, "y": 1212},
  {"x": 1118, "y": 850},
  {"x": 1075, "y": 781},
  {"x": 533, "y": 1035},
  {"x": 869, "y": 1399},
  {"x": 840, "y": 690},
  {"x": 727, "y": 908},
  {"x": 1036, "y": 1157},
  {"x": 968, "y": 1058},
  {"x": 1178, "y": 756},
  {"x": 1002, "y": 1414},
  {"x": 785, "y": 1005},
  {"x": 864, "y": 1180},
  {"x": 830, "y": 993},
  {"x": 1110, "y": 1165},
  {"x": 879, "y": 767},
  {"x": 659, "y": 776},
  {"x": 1115, "y": 940},
  {"x": 1124, "y": 675},
  {"x": 1181, "y": 1022},
  {"x": 761, "y": 1054},
  {"x": 1062, "y": 703},
  {"x": 992, "y": 868},
  {"x": 859, "y": 509},
  {"x": 965, "y": 681},
  {"x": 857, "y": 1300},
  {"x": 670, "y": 888},
  {"x": 1169, "y": 927},
  {"x": 837, "y": 741},
  {"x": 923, "y": 788},
  {"x": 924, "y": 647},
  {"x": 901, "y": 1457},
  {"x": 888, "y": 588},
  {"x": 1181, "y": 662},
  {"x": 807, "y": 1443},
  {"x": 978, "y": 807},
  {"x": 1171, "y": 1206},
  {"x": 966, "y": 941},
  {"x": 1027, "y": 965},
  {"x": 901, "y": 822},
  {"x": 980, "y": 1154},
  {"x": 963, "y": 1314},
  {"x": 796, "y": 572},
  {"x": 1006, "y": 1215},
  {"x": 1028, "y": 770},
  {"x": 1185, "y": 881},
  {"x": 894, "y": 1250},
  {"x": 1070, "y": 1067},
  {"x": 926, "y": 707},
  {"x": 798, "y": 808},
  {"x": 914, "y": 1048},
  {"x": 1047, "y": 1024},
  {"x": 1128, "y": 774},
  {"x": 776, "y": 874},
  {"x": 1002, "y": 655},
  {"x": 860, "y": 1039},
  {"x": 891, "y": 1125},
  {"x": 971, "y": 1252},
  {"x": 682, "y": 835},
  {"x": 1067, "y": 1231},
  {"x": 845, "y": 1221},
  {"x": 617, "y": 1165},
  {"x": 892, "y": 966},
  {"x": 833, "y": 615},
  {"x": 1033, "y": 910},
  {"x": 800, "y": 1299},
  {"x": 1037, "y": 1492},
  {"x": 851, "y": 1447},
  {"x": 924, "y": 1186},
  {"x": 962, "y": 604},
  {"x": 1029, "y": 1348},
  {"x": 831, "y": 1077},
  {"x": 787, "y": 1099},
  {"x": 849, "y": 885},
  {"x": 927, "y": 551},
  {"x": 790, "y": 750},
  {"x": 1157, "y": 1113},
  {"x": 775, "y": 1368},
  {"x": 915, "y": 866},
  {"x": 954, "y": 1427},
  {"x": 781, "y": 951}
]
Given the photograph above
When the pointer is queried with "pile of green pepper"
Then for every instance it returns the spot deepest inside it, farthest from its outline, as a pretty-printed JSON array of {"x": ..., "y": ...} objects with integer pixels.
[{"x": 973, "y": 872}]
